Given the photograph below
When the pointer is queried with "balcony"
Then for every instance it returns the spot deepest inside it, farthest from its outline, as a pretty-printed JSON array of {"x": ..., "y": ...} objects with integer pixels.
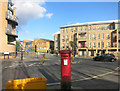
[
  {"x": 12, "y": 18},
  {"x": 82, "y": 45},
  {"x": 11, "y": 32},
  {"x": 82, "y": 38},
  {"x": 10, "y": 7}
]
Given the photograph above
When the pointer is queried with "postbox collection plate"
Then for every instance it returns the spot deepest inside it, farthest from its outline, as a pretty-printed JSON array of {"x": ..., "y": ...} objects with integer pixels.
[{"x": 65, "y": 61}]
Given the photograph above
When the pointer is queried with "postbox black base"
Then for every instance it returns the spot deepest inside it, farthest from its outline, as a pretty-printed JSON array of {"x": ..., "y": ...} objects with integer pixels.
[{"x": 65, "y": 86}]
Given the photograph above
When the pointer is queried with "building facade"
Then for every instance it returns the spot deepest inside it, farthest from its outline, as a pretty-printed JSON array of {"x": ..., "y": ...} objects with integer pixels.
[
  {"x": 56, "y": 43},
  {"x": 8, "y": 33},
  {"x": 91, "y": 38},
  {"x": 43, "y": 45}
]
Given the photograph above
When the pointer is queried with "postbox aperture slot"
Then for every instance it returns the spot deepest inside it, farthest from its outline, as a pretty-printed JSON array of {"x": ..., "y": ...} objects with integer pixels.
[{"x": 64, "y": 55}]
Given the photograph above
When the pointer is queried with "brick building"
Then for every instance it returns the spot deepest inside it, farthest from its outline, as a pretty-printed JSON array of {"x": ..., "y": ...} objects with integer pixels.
[
  {"x": 91, "y": 38},
  {"x": 8, "y": 33},
  {"x": 56, "y": 43},
  {"x": 43, "y": 45}
]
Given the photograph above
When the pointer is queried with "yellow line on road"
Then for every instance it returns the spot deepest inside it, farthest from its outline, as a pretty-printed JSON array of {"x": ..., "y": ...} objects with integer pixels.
[{"x": 88, "y": 78}]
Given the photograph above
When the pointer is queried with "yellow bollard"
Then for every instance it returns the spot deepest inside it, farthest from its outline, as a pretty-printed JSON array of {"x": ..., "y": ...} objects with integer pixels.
[
  {"x": 43, "y": 58},
  {"x": 73, "y": 57}
]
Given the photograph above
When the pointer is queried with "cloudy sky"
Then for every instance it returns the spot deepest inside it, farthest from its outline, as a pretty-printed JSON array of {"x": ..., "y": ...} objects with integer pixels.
[{"x": 41, "y": 19}]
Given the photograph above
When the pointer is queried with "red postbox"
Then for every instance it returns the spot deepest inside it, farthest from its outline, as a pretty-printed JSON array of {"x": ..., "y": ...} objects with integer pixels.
[{"x": 65, "y": 68}]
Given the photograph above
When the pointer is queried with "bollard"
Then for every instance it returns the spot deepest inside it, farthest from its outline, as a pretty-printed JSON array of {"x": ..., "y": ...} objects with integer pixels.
[
  {"x": 43, "y": 58},
  {"x": 21, "y": 55},
  {"x": 65, "y": 70},
  {"x": 73, "y": 57}
]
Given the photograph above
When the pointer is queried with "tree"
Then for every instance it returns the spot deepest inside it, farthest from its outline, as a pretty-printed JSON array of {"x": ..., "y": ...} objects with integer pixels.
[
  {"x": 73, "y": 44},
  {"x": 17, "y": 45}
]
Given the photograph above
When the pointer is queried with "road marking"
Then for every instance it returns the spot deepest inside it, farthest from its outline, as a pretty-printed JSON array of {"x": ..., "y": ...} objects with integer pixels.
[
  {"x": 32, "y": 64},
  {"x": 88, "y": 78}
]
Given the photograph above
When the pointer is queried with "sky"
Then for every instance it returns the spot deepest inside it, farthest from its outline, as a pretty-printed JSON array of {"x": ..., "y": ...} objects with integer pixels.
[{"x": 43, "y": 19}]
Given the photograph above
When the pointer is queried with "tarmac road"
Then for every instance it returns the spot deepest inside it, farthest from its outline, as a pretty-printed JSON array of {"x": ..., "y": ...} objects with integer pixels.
[{"x": 85, "y": 73}]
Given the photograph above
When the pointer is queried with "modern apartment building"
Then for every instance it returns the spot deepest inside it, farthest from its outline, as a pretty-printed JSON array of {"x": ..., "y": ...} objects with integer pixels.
[
  {"x": 8, "y": 33},
  {"x": 43, "y": 45},
  {"x": 92, "y": 38},
  {"x": 56, "y": 43}
]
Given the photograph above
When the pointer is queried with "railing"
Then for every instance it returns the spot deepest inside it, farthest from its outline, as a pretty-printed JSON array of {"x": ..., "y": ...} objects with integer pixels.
[
  {"x": 82, "y": 37},
  {"x": 11, "y": 17},
  {"x": 11, "y": 43},
  {"x": 82, "y": 47}
]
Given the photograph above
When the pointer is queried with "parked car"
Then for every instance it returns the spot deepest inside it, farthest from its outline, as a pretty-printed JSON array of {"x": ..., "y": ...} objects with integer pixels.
[{"x": 105, "y": 57}]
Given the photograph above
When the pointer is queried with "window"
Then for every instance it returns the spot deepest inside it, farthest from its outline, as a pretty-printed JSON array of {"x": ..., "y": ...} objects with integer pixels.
[
  {"x": 63, "y": 45},
  {"x": 94, "y": 37},
  {"x": 112, "y": 27},
  {"x": 102, "y": 44},
  {"x": 76, "y": 29},
  {"x": 56, "y": 39},
  {"x": 90, "y": 44},
  {"x": 89, "y": 28},
  {"x": 108, "y": 36},
  {"x": 66, "y": 30},
  {"x": 99, "y": 44},
  {"x": 118, "y": 26},
  {"x": 67, "y": 46},
  {"x": 89, "y": 36},
  {"x": 71, "y": 30},
  {"x": 102, "y": 28},
  {"x": 80, "y": 28},
  {"x": 56, "y": 46},
  {"x": 62, "y": 30},
  {"x": 85, "y": 28},
  {"x": 119, "y": 44},
  {"x": 93, "y": 28},
  {"x": 108, "y": 44},
  {"x": 93, "y": 44},
  {"x": 98, "y": 36},
  {"x": 108, "y": 27},
  {"x": 71, "y": 37},
  {"x": 98, "y": 28},
  {"x": 103, "y": 36},
  {"x": 67, "y": 39},
  {"x": 63, "y": 38}
]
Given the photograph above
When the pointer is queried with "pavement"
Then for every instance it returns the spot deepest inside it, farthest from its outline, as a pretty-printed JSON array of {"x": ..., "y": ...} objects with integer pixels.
[{"x": 85, "y": 73}]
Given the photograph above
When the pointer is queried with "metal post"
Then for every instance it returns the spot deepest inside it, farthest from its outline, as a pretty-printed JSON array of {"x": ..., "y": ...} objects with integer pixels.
[
  {"x": 21, "y": 55},
  {"x": 4, "y": 56},
  {"x": 8, "y": 56},
  {"x": 43, "y": 58}
]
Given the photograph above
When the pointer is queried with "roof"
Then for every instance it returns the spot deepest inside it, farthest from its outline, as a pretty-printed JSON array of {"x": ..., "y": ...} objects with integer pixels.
[
  {"x": 46, "y": 39},
  {"x": 91, "y": 23}
]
